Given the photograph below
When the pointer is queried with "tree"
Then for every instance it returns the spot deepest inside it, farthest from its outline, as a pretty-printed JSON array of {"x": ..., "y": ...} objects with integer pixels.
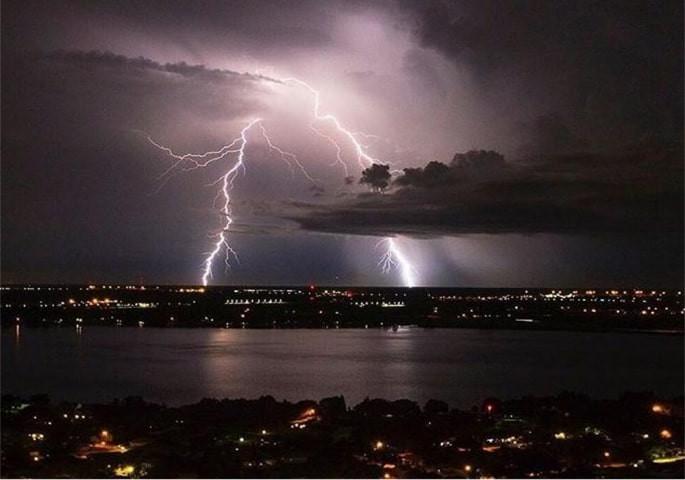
[{"x": 377, "y": 176}]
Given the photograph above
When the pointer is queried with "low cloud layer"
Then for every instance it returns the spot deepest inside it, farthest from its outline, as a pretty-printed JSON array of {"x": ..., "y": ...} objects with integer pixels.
[{"x": 633, "y": 191}]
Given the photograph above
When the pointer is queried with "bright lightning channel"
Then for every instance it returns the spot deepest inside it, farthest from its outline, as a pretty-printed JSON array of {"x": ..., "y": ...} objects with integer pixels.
[
  {"x": 193, "y": 161},
  {"x": 226, "y": 186},
  {"x": 363, "y": 158},
  {"x": 392, "y": 258}
]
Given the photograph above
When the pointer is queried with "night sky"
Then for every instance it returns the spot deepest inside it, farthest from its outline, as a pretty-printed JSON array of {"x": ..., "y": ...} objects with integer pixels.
[{"x": 533, "y": 143}]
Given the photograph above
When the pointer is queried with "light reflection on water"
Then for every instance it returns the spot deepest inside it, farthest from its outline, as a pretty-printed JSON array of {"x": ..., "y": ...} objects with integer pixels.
[{"x": 460, "y": 366}]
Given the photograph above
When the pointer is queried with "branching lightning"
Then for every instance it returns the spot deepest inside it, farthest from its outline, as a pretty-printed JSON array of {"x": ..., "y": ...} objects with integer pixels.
[
  {"x": 288, "y": 157},
  {"x": 226, "y": 186},
  {"x": 391, "y": 259},
  {"x": 394, "y": 258},
  {"x": 192, "y": 161},
  {"x": 363, "y": 159}
]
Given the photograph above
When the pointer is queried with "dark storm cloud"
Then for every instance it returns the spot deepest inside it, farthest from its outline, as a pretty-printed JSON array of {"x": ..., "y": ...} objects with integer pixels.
[
  {"x": 94, "y": 60},
  {"x": 265, "y": 26},
  {"x": 612, "y": 69},
  {"x": 549, "y": 134},
  {"x": 268, "y": 23},
  {"x": 639, "y": 191},
  {"x": 120, "y": 91},
  {"x": 559, "y": 87}
]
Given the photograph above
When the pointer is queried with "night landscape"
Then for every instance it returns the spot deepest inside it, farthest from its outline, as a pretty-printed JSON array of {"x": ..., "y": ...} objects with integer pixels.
[{"x": 342, "y": 239}]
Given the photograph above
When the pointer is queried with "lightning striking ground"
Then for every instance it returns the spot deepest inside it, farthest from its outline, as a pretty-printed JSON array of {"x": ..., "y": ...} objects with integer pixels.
[
  {"x": 192, "y": 161},
  {"x": 393, "y": 257},
  {"x": 226, "y": 186}
]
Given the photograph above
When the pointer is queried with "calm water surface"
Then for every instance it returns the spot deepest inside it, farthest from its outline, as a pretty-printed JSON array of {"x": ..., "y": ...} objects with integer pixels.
[{"x": 462, "y": 367}]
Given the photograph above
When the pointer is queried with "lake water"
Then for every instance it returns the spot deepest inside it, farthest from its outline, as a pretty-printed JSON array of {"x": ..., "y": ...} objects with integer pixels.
[{"x": 462, "y": 367}]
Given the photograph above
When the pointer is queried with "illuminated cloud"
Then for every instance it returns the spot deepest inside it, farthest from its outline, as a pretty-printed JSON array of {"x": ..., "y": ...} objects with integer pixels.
[{"x": 565, "y": 91}]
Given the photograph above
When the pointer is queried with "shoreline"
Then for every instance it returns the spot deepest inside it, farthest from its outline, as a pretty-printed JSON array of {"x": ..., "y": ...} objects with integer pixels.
[{"x": 666, "y": 332}]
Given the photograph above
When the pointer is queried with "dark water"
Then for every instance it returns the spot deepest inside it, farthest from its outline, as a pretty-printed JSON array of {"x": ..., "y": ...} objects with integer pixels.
[{"x": 459, "y": 366}]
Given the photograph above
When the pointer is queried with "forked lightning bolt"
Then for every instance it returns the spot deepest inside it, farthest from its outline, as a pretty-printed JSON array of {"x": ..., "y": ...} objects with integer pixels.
[
  {"x": 363, "y": 159},
  {"x": 226, "y": 186},
  {"x": 237, "y": 147},
  {"x": 393, "y": 257},
  {"x": 193, "y": 161}
]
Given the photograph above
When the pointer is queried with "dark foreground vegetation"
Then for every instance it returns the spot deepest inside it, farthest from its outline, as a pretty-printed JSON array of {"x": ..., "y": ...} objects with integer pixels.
[
  {"x": 335, "y": 307},
  {"x": 637, "y": 435}
]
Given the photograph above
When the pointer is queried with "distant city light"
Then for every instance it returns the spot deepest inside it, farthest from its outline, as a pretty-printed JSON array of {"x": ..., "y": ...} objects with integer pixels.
[{"x": 124, "y": 471}]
